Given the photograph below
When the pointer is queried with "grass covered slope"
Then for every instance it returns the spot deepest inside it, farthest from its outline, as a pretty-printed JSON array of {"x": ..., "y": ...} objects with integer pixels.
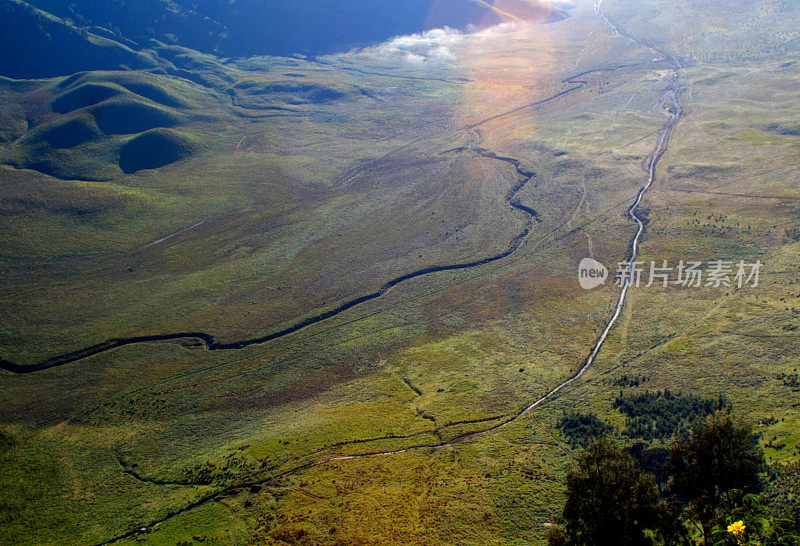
[
  {"x": 300, "y": 184},
  {"x": 90, "y": 123}
]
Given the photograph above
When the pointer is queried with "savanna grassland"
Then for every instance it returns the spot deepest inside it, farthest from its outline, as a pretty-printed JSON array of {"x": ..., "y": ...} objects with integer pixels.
[{"x": 239, "y": 197}]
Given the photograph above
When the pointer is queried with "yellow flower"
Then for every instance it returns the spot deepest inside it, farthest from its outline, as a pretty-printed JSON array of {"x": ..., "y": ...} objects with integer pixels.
[{"x": 737, "y": 528}]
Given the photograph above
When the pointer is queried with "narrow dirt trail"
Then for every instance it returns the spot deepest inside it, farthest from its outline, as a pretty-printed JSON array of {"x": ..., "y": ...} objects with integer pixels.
[{"x": 667, "y": 105}]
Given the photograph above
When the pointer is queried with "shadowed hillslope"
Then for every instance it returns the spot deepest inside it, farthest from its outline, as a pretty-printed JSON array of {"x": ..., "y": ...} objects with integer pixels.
[
  {"x": 37, "y": 45},
  {"x": 153, "y": 149},
  {"x": 257, "y": 27}
]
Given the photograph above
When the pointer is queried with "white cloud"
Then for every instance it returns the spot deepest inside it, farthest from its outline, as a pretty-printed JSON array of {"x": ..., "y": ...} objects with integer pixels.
[
  {"x": 430, "y": 45},
  {"x": 441, "y": 45}
]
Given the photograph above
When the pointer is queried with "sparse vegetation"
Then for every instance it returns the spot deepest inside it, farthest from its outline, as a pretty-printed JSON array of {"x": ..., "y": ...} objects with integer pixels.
[
  {"x": 782, "y": 493},
  {"x": 633, "y": 381}
]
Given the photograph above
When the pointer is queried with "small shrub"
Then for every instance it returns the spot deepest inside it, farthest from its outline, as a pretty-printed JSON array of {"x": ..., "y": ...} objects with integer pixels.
[{"x": 7, "y": 440}]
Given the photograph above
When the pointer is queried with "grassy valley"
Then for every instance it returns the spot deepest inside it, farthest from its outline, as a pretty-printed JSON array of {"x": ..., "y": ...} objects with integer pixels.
[{"x": 461, "y": 178}]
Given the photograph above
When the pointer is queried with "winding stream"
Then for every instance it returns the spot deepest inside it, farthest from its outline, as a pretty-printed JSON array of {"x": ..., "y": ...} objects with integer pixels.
[{"x": 211, "y": 344}]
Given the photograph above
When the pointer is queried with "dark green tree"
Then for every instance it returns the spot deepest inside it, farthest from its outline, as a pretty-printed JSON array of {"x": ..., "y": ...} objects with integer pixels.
[
  {"x": 609, "y": 500},
  {"x": 713, "y": 468}
]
